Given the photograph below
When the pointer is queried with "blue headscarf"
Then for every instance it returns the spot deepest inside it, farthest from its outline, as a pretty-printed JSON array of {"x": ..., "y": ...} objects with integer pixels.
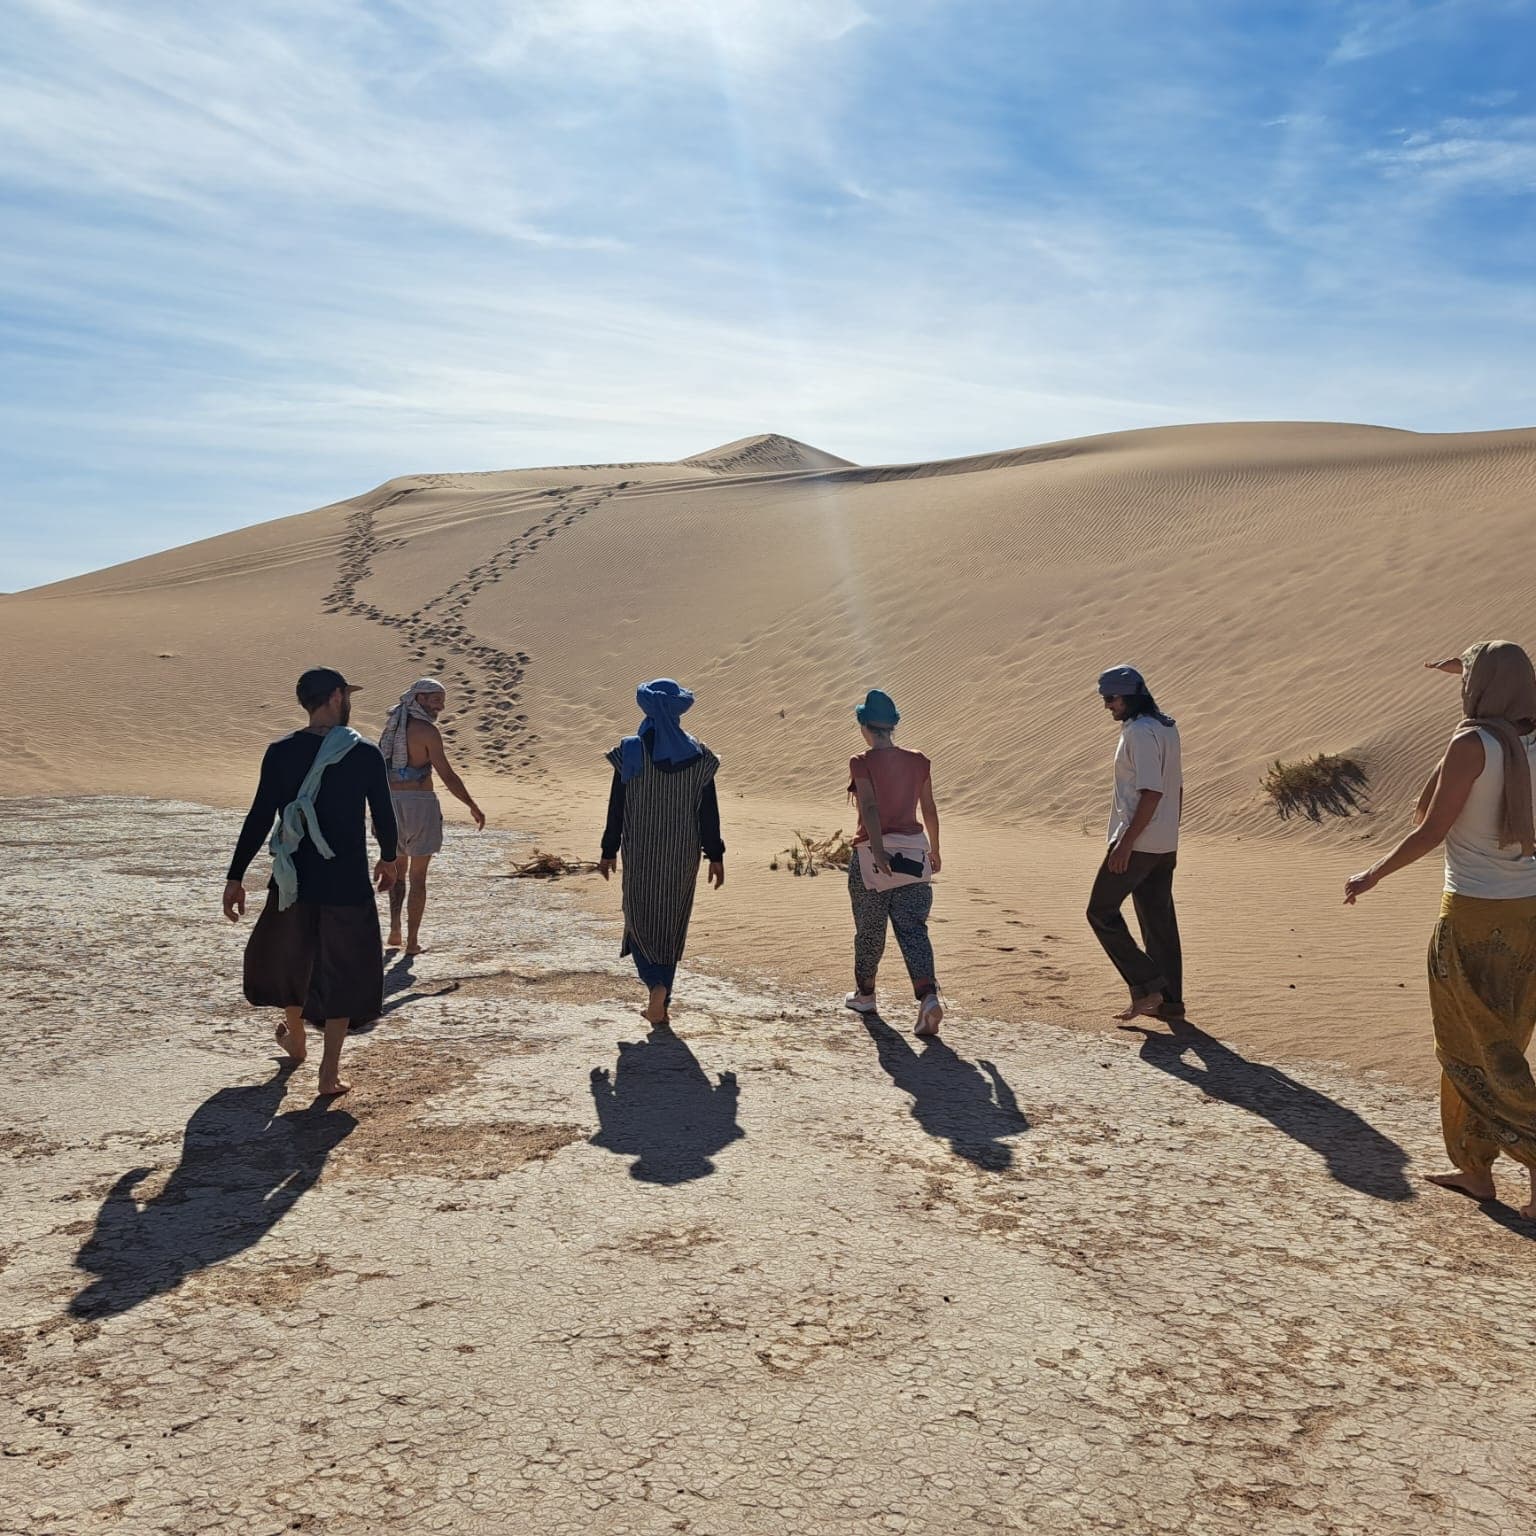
[
  {"x": 662, "y": 702},
  {"x": 1127, "y": 683}
]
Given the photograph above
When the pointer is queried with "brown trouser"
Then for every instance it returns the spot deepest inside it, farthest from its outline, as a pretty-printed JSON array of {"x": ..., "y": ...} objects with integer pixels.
[{"x": 1149, "y": 883}]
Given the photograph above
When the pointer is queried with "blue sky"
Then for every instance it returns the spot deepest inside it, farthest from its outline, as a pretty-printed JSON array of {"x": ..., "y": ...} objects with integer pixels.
[{"x": 262, "y": 256}]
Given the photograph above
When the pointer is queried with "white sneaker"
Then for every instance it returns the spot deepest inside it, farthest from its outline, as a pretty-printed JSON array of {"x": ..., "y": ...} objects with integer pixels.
[
  {"x": 930, "y": 1015},
  {"x": 861, "y": 1002}
]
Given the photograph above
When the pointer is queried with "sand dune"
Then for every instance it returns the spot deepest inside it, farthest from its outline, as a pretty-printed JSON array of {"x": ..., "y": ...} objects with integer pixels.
[
  {"x": 766, "y": 452},
  {"x": 1279, "y": 583}
]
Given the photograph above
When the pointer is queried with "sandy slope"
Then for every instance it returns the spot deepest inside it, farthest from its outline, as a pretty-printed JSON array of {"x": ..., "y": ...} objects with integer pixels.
[
  {"x": 778, "y": 1274},
  {"x": 1279, "y": 583}
]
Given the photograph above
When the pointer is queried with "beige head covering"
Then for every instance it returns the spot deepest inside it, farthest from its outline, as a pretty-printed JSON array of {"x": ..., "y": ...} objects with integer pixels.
[
  {"x": 392, "y": 743},
  {"x": 1498, "y": 689}
]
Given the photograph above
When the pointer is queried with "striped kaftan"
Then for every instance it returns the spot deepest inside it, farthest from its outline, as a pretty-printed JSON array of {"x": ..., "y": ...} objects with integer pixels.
[{"x": 661, "y": 854}]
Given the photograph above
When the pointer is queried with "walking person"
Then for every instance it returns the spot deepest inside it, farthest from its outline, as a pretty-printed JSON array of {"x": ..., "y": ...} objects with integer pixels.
[
  {"x": 315, "y": 950},
  {"x": 413, "y": 749},
  {"x": 1143, "y": 851},
  {"x": 1482, "y": 955},
  {"x": 894, "y": 861},
  {"x": 663, "y": 813}
]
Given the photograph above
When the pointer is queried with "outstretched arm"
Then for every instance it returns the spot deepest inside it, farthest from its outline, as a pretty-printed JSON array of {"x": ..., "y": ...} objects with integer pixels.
[
  {"x": 1452, "y": 782},
  {"x": 437, "y": 755},
  {"x": 1426, "y": 796}
]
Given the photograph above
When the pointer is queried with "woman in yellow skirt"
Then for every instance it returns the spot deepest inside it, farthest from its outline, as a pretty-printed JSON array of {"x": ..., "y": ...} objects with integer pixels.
[{"x": 1482, "y": 958}]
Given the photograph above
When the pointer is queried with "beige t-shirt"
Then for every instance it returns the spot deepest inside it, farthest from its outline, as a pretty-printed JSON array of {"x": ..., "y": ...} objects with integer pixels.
[{"x": 1148, "y": 757}]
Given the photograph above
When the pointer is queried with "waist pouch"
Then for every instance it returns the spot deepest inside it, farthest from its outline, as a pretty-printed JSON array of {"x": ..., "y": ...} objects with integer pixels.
[{"x": 913, "y": 845}]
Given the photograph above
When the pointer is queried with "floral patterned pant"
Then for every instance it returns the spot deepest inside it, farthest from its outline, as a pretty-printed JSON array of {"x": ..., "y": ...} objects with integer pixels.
[
  {"x": 1482, "y": 994},
  {"x": 906, "y": 910}
]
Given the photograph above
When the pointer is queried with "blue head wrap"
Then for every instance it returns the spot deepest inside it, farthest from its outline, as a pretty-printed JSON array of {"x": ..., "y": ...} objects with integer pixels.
[
  {"x": 879, "y": 710},
  {"x": 1127, "y": 683},
  {"x": 663, "y": 703}
]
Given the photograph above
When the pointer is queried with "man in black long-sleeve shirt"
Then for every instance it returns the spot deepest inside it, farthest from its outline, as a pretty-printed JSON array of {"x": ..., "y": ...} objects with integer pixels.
[{"x": 320, "y": 958}]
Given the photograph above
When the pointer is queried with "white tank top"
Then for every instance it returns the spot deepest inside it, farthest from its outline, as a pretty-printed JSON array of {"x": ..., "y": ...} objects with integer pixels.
[{"x": 1475, "y": 865}]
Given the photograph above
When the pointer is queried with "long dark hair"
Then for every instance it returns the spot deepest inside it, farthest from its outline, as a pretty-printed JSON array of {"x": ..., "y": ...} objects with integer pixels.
[{"x": 1138, "y": 704}]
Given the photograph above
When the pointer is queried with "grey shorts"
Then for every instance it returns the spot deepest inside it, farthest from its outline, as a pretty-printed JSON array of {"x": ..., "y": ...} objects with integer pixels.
[{"x": 420, "y": 819}]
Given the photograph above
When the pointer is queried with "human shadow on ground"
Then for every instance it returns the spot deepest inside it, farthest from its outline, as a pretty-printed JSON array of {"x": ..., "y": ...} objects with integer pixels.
[
  {"x": 968, "y": 1105},
  {"x": 1508, "y": 1217},
  {"x": 660, "y": 1108},
  {"x": 243, "y": 1167},
  {"x": 1354, "y": 1151},
  {"x": 397, "y": 978}
]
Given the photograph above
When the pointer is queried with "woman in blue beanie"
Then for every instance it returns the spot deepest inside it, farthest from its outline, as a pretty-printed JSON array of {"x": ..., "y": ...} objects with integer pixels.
[{"x": 894, "y": 861}]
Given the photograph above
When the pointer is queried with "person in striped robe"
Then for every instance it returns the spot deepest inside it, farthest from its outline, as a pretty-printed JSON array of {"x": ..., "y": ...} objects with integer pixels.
[{"x": 663, "y": 814}]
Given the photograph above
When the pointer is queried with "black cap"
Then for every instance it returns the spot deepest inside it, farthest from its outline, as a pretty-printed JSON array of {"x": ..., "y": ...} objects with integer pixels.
[{"x": 318, "y": 684}]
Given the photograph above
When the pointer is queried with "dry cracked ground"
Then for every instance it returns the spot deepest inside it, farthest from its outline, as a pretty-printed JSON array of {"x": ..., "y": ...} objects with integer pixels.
[{"x": 778, "y": 1274}]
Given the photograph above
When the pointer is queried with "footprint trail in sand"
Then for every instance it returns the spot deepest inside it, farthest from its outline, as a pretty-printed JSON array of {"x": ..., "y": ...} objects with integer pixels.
[{"x": 438, "y": 634}]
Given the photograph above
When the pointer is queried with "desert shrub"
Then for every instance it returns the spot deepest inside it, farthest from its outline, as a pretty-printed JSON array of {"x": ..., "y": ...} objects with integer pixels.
[
  {"x": 810, "y": 855},
  {"x": 1314, "y": 787}
]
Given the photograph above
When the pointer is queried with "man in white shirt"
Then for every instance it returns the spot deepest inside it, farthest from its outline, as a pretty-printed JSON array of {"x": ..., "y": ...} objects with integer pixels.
[{"x": 1143, "y": 850}]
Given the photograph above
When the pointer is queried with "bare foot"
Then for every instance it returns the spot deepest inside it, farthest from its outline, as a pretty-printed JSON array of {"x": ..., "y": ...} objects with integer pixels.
[
  {"x": 1479, "y": 1188},
  {"x": 1142, "y": 1008},
  {"x": 290, "y": 1035},
  {"x": 415, "y": 947},
  {"x": 333, "y": 1089},
  {"x": 395, "y": 939},
  {"x": 655, "y": 1010}
]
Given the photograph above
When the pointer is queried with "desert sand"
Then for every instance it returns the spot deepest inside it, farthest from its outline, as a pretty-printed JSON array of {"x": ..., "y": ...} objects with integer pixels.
[
  {"x": 781, "y": 1273},
  {"x": 777, "y": 1273}
]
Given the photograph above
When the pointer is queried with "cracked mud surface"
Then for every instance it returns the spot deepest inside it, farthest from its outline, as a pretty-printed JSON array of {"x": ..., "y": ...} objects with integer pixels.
[{"x": 780, "y": 1273}]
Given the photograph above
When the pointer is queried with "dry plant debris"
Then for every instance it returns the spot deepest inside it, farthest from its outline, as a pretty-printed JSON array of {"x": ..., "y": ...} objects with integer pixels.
[
  {"x": 809, "y": 855},
  {"x": 1314, "y": 786},
  {"x": 551, "y": 866}
]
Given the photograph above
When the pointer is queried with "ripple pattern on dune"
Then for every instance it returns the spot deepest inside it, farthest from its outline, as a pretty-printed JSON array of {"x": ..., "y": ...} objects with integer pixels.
[{"x": 487, "y": 677}]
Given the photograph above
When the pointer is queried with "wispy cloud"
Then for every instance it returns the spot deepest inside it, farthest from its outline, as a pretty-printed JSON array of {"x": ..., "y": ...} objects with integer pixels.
[
  {"x": 1376, "y": 27},
  {"x": 1463, "y": 154},
  {"x": 261, "y": 256}
]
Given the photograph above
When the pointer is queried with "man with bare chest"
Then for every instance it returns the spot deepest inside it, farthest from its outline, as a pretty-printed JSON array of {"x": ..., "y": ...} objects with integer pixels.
[{"x": 413, "y": 751}]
